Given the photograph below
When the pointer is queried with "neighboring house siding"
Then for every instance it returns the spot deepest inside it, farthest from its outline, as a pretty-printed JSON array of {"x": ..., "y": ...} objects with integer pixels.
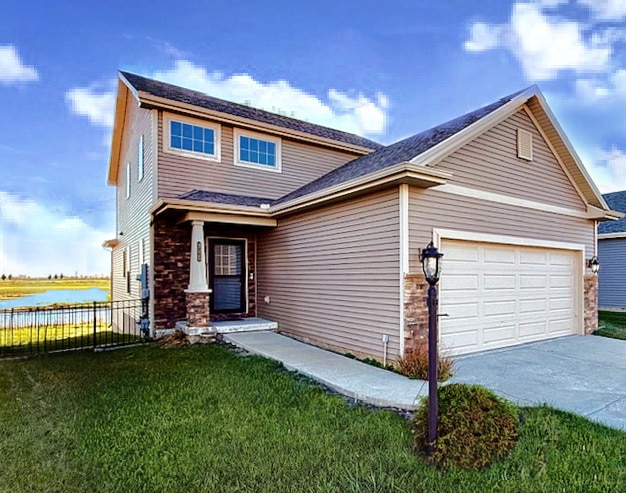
[
  {"x": 490, "y": 163},
  {"x": 612, "y": 256},
  {"x": 333, "y": 276},
  {"x": 133, "y": 219},
  {"x": 301, "y": 163},
  {"x": 429, "y": 208}
]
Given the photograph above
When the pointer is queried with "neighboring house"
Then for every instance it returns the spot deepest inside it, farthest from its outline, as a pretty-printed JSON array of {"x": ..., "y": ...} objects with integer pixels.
[
  {"x": 612, "y": 256},
  {"x": 241, "y": 213}
]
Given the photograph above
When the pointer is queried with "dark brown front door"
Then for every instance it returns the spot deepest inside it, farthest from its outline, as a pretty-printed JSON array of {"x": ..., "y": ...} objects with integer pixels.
[{"x": 227, "y": 276}]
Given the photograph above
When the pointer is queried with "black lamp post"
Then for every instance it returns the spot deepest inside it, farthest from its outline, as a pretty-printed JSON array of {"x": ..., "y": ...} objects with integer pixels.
[{"x": 431, "y": 264}]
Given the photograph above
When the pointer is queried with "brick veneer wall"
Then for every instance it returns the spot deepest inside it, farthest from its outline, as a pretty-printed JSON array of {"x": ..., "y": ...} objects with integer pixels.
[
  {"x": 197, "y": 310},
  {"x": 172, "y": 245},
  {"x": 591, "y": 303},
  {"x": 415, "y": 311}
]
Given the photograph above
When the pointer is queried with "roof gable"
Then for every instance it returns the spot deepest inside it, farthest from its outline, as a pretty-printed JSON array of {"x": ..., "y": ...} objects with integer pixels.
[{"x": 617, "y": 202}]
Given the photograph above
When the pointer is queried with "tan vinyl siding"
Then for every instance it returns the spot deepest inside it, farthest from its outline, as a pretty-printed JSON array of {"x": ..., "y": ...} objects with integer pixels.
[
  {"x": 429, "y": 208},
  {"x": 490, "y": 163},
  {"x": 332, "y": 275},
  {"x": 301, "y": 163},
  {"x": 133, "y": 219}
]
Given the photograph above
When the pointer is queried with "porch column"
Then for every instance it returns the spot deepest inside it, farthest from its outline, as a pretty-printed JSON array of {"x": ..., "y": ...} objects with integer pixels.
[
  {"x": 197, "y": 263},
  {"x": 198, "y": 292}
]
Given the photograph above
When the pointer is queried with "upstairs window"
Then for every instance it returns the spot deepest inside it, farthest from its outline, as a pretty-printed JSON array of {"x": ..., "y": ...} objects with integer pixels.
[
  {"x": 192, "y": 137},
  {"x": 258, "y": 151}
]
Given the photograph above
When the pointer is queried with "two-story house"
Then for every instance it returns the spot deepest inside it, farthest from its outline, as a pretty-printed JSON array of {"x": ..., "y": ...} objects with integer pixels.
[{"x": 243, "y": 214}]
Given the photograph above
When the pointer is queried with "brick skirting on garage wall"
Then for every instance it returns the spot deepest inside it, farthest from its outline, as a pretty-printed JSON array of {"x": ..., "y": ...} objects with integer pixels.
[
  {"x": 415, "y": 311},
  {"x": 591, "y": 303}
]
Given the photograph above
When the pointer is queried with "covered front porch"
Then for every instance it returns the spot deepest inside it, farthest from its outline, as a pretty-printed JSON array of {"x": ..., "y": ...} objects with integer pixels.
[{"x": 205, "y": 268}]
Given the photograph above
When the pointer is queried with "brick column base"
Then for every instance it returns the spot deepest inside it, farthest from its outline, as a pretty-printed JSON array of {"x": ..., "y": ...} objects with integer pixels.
[
  {"x": 197, "y": 310},
  {"x": 591, "y": 303},
  {"x": 415, "y": 311}
]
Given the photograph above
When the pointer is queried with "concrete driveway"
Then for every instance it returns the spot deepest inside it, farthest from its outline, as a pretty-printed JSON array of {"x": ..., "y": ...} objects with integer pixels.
[{"x": 584, "y": 375}]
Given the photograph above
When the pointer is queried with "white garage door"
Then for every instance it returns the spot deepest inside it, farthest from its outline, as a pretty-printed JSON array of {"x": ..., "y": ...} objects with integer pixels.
[{"x": 500, "y": 295}]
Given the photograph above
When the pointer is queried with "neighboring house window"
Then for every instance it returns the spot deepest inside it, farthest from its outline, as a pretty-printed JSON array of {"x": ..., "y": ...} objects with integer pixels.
[
  {"x": 192, "y": 137},
  {"x": 258, "y": 151},
  {"x": 128, "y": 180},
  {"x": 128, "y": 268},
  {"x": 140, "y": 159}
]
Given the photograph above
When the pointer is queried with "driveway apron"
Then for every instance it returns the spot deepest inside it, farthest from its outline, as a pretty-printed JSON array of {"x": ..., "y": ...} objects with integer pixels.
[{"x": 584, "y": 375}]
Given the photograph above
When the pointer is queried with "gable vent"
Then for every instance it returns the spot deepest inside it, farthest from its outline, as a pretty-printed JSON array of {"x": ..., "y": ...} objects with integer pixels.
[{"x": 524, "y": 144}]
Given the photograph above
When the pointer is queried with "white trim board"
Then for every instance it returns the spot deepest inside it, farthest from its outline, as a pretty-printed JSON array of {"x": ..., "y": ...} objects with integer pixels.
[
  {"x": 610, "y": 236},
  {"x": 403, "y": 200},
  {"x": 509, "y": 200}
]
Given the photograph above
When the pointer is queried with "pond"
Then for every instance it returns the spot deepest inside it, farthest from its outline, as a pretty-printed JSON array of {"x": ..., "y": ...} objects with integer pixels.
[{"x": 57, "y": 296}]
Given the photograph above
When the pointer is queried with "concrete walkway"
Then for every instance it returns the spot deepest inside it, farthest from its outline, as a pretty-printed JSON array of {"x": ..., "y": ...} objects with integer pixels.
[
  {"x": 344, "y": 375},
  {"x": 584, "y": 375}
]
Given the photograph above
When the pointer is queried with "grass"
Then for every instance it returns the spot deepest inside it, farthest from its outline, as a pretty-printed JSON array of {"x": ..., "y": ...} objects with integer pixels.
[
  {"x": 16, "y": 288},
  {"x": 612, "y": 324},
  {"x": 203, "y": 419}
]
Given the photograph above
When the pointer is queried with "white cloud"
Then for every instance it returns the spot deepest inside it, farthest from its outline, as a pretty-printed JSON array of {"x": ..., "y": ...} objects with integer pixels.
[
  {"x": 608, "y": 170},
  {"x": 96, "y": 104},
  {"x": 36, "y": 241},
  {"x": 543, "y": 42},
  {"x": 593, "y": 90},
  {"x": 350, "y": 112},
  {"x": 608, "y": 10},
  {"x": 12, "y": 69}
]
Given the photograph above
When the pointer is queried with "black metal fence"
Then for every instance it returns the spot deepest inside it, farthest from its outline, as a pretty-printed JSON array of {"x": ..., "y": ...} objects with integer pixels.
[{"x": 35, "y": 330}]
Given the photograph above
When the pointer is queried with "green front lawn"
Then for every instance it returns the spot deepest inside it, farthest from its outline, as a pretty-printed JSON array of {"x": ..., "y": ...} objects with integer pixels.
[
  {"x": 195, "y": 419},
  {"x": 612, "y": 324}
]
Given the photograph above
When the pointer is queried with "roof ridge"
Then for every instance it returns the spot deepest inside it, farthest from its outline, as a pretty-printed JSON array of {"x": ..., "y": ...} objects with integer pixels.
[{"x": 199, "y": 98}]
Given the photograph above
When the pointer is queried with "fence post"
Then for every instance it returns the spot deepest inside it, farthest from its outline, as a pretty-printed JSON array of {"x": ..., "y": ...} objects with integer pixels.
[{"x": 95, "y": 325}]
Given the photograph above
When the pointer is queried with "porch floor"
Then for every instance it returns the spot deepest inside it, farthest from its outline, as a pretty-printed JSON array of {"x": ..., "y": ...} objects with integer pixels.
[{"x": 245, "y": 325}]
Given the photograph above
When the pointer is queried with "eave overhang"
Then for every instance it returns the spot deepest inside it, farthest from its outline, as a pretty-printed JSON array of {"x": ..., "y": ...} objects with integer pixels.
[
  {"x": 402, "y": 173},
  {"x": 149, "y": 101},
  {"x": 195, "y": 210}
]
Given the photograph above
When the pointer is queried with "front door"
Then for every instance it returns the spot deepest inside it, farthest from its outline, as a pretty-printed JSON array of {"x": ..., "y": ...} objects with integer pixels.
[{"x": 227, "y": 276}]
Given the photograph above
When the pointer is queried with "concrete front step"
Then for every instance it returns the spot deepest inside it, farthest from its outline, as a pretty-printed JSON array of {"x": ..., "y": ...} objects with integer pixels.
[{"x": 253, "y": 324}]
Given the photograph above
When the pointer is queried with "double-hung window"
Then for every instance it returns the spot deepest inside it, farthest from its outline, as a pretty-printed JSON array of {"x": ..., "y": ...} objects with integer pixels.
[
  {"x": 257, "y": 151},
  {"x": 194, "y": 138}
]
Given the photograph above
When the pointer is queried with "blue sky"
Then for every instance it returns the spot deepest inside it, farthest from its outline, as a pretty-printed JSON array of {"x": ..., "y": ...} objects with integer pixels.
[{"x": 385, "y": 70}]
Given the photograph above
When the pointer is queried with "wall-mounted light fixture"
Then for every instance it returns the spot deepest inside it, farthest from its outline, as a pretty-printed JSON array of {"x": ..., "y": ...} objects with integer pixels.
[{"x": 594, "y": 264}]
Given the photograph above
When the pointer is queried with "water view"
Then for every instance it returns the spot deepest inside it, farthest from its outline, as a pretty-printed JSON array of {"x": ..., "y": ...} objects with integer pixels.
[{"x": 56, "y": 296}]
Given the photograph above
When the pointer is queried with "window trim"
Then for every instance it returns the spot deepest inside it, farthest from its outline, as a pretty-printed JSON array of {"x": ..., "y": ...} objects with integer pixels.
[
  {"x": 140, "y": 158},
  {"x": 238, "y": 133},
  {"x": 168, "y": 118},
  {"x": 128, "y": 178}
]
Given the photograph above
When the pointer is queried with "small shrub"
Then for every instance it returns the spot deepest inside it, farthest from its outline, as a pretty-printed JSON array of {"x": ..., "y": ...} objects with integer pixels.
[
  {"x": 414, "y": 364},
  {"x": 475, "y": 427}
]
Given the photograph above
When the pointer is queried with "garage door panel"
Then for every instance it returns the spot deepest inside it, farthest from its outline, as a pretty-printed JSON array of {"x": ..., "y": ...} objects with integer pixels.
[
  {"x": 495, "y": 308},
  {"x": 533, "y": 305},
  {"x": 532, "y": 282},
  {"x": 499, "y": 295},
  {"x": 502, "y": 334},
  {"x": 461, "y": 282},
  {"x": 498, "y": 256},
  {"x": 531, "y": 257},
  {"x": 494, "y": 281},
  {"x": 560, "y": 281}
]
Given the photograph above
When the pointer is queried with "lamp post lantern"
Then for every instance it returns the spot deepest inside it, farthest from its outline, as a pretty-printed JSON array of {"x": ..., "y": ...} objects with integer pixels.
[
  {"x": 431, "y": 264},
  {"x": 594, "y": 264}
]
